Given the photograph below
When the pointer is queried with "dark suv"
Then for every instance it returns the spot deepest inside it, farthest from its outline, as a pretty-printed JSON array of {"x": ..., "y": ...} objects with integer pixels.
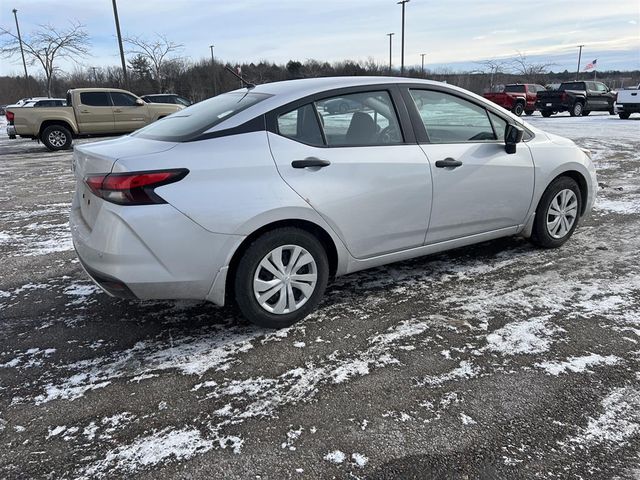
[{"x": 166, "y": 98}]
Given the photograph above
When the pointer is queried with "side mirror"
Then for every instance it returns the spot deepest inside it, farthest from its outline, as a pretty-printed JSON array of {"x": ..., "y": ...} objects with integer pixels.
[
  {"x": 512, "y": 136},
  {"x": 139, "y": 102}
]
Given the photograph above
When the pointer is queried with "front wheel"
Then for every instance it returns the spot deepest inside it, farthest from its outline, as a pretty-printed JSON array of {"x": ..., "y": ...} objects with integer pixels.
[
  {"x": 624, "y": 115},
  {"x": 585, "y": 113},
  {"x": 557, "y": 214},
  {"x": 546, "y": 113},
  {"x": 281, "y": 277},
  {"x": 529, "y": 112},
  {"x": 56, "y": 137}
]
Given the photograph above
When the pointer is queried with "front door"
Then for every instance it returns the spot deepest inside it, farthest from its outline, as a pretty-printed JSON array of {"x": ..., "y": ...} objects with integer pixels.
[
  {"x": 128, "y": 115},
  {"x": 94, "y": 114},
  {"x": 477, "y": 186},
  {"x": 356, "y": 171}
]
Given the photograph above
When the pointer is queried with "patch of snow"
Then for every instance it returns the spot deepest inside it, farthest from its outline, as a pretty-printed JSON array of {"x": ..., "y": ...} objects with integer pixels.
[
  {"x": 577, "y": 364},
  {"x": 467, "y": 420},
  {"x": 335, "y": 457},
  {"x": 465, "y": 370},
  {"x": 359, "y": 459},
  {"x": 525, "y": 337}
]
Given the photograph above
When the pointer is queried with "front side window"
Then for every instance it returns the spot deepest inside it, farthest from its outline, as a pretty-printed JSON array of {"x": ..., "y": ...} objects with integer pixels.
[
  {"x": 121, "y": 99},
  {"x": 360, "y": 119},
  {"x": 301, "y": 125},
  {"x": 601, "y": 87},
  {"x": 95, "y": 99},
  {"x": 196, "y": 119},
  {"x": 450, "y": 119}
]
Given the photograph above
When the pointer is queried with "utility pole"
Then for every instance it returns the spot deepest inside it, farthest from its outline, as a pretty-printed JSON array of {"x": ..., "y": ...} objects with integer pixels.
[
  {"x": 95, "y": 76},
  {"x": 422, "y": 55},
  {"x": 390, "y": 35},
  {"x": 579, "y": 58},
  {"x": 402, "y": 2},
  {"x": 24, "y": 63},
  {"x": 213, "y": 67},
  {"x": 124, "y": 65}
]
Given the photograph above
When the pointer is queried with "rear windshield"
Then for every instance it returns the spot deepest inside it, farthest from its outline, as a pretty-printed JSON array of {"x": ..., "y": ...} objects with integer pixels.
[
  {"x": 514, "y": 88},
  {"x": 196, "y": 119},
  {"x": 572, "y": 86}
]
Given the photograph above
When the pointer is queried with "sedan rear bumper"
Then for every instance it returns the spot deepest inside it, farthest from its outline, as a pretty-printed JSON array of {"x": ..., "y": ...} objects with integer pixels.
[{"x": 11, "y": 131}]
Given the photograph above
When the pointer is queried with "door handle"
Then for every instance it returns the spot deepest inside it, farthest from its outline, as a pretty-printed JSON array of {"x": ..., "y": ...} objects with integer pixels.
[
  {"x": 448, "y": 162},
  {"x": 310, "y": 162},
  {"x": 117, "y": 111},
  {"x": 84, "y": 111}
]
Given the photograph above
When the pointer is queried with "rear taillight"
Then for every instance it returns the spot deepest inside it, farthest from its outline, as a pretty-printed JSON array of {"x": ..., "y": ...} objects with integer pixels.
[
  {"x": 9, "y": 116},
  {"x": 563, "y": 97},
  {"x": 133, "y": 188}
]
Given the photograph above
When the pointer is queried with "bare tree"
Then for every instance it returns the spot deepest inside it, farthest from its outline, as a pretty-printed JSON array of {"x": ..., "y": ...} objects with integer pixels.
[
  {"x": 532, "y": 72},
  {"x": 47, "y": 45},
  {"x": 160, "y": 52},
  {"x": 493, "y": 66}
]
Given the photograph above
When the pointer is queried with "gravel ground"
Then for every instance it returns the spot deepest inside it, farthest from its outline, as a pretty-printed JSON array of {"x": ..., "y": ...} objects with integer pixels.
[{"x": 495, "y": 361}]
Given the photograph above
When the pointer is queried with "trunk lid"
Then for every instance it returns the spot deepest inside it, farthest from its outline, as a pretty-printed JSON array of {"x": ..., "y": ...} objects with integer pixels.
[{"x": 99, "y": 158}]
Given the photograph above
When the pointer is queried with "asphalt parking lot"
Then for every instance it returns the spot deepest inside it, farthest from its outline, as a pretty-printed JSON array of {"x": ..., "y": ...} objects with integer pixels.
[{"x": 495, "y": 361}]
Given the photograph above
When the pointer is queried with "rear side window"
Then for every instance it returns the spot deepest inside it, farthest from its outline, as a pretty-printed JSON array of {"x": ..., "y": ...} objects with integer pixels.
[
  {"x": 121, "y": 99},
  {"x": 95, "y": 99},
  {"x": 572, "y": 86},
  {"x": 196, "y": 119},
  {"x": 301, "y": 125},
  {"x": 514, "y": 89},
  {"x": 450, "y": 119}
]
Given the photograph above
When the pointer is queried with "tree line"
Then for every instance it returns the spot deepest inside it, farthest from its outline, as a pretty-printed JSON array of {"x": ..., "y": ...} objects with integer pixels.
[{"x": 156, "y": 65}]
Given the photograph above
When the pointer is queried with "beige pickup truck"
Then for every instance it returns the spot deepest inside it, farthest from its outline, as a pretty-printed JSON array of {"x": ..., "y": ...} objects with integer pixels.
[{"x": 89, "y": 111}]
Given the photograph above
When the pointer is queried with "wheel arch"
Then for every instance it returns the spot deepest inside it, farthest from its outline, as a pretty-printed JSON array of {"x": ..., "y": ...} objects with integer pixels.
[
  {"x": 582, "y": 185},
  {"x": 319, "y": 232},
  {"x": 63, "y": 123}
]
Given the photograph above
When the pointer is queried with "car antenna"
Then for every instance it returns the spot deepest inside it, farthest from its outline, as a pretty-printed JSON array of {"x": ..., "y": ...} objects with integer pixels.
[{"x": 245, "y": 84}]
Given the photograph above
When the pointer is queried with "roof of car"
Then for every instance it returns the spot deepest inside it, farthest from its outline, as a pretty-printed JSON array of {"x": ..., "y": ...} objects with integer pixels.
[{"x": 159, "y": 94}]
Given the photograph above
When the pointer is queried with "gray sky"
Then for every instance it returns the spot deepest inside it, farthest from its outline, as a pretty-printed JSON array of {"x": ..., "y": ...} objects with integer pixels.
[{"x": 452, "y": 33}]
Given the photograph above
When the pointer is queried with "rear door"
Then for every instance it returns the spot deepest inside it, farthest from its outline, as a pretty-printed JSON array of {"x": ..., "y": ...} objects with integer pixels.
[
  {"x": 477, "y": 186},
  {"x": 94, "y": 114},
  {"x": 357, "y": 167},
  {"x": 128, "y": 115}
]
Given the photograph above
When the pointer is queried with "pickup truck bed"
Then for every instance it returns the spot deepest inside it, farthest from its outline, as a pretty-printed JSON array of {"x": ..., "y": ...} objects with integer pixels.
[{"x": 628, "y": 102}]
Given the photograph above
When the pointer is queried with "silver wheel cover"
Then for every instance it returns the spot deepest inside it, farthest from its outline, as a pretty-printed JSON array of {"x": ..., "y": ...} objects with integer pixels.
[
  {"x": 285, "y": 279},
  {"x": 562, "y": 213},
  {"x": 57, "y": 138}
]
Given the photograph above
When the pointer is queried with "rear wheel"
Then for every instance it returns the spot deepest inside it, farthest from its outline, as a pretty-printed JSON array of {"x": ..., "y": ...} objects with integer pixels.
[
  {"x": 557, "y": 213},
  {"x": 576, "y": 110},
  {"x": 585, "y": 113},
  {"x": 546, "y": 113},
  {"x": 624, "y": 115},
  {"x": 56, "y": 137},
  {"x": 518, "y": 109},
  {"x": 612, "y": 111},
  {"x": 529, "y": 112},
  {"x": 281, "y": 277}
]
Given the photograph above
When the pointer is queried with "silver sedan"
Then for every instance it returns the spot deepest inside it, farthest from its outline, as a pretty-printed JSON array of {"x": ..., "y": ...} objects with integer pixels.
[{"x": 261, "y": 195}]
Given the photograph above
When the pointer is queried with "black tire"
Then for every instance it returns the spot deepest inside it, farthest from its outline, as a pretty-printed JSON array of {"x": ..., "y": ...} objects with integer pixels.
[
  {"x": 612, "y": 111},
  {"x": 529, "y": 112},
  {"x": 624, "y": 115},
  {"x": 585, "y": 113},
  {"x": 577, "y": 109},
  {"x": 250, "y": 261},
  {"x": 546, "y": 113},
  {"x": 540, "y": 234},
  {"x": 518, "y": 109},
  {"x": 56, "y": 137}
]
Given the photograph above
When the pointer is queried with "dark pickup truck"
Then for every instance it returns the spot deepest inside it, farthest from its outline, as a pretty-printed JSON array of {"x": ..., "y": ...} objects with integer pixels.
[
  {"x": 577, "y": 98},
  {"x": 518, "y": 97}
]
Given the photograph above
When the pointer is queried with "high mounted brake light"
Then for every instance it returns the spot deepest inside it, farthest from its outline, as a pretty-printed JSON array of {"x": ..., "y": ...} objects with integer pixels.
[{"x": 133, "y": 188}]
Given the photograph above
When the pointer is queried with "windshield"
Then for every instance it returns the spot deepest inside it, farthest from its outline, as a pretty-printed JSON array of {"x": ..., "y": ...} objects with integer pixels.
[
  {"x": 514, "y": 89},
  {"x": 196, "y": 119}
]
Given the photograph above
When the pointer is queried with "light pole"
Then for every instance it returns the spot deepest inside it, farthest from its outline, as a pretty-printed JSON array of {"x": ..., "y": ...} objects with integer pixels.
[
  {"x": 124, "y": 65},
  {"x": 402, "y": 2},
  {"x": 390, "y": 35},
  {"x": 213, "y": 67},
  {"x": 422, "y": 55},
  {"x": 24, "y": 63},
  {"x": 579, "y": 58}
]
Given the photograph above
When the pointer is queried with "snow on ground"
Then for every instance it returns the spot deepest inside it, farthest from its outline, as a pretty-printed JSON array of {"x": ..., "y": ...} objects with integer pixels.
[{"x": 507, "y": 359}]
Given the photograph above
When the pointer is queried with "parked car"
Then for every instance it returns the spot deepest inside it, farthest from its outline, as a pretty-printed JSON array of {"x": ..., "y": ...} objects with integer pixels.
[
  {"x": 90, "y": 111},
  {"x": 341, "y": 105},
  {"x": 518, "y": 97},
  {"x": 259, "y": 196},
  {"x": 2, "y": 107},
  {"x": 167, "y": 98},
  {"x": 577, "y": 98},
  {"x": 628, "y": 102}
]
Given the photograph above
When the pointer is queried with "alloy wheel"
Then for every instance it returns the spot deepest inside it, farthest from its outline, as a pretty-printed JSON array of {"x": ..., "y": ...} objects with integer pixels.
[{"x": 57, "y": 138}]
